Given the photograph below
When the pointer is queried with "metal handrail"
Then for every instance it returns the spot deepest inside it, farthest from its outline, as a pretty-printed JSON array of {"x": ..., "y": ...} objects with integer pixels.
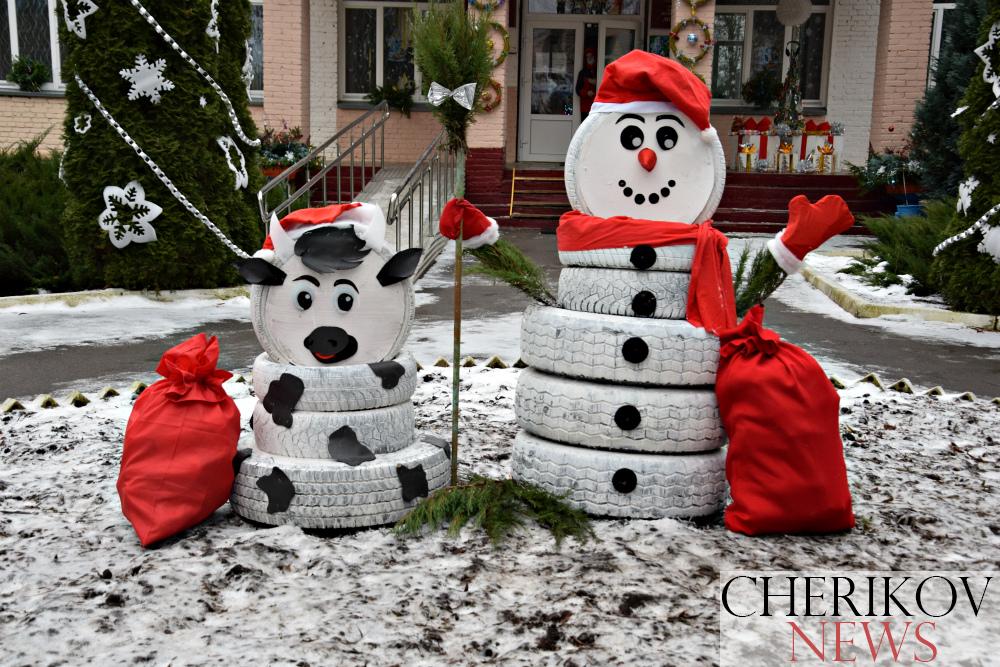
[
  {"x": 427, "y": 186},
  {"x": 372, "y": 126}
]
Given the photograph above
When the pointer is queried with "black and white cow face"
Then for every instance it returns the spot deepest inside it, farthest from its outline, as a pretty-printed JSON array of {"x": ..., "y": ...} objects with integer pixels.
[{"x": 332, "y": 300}]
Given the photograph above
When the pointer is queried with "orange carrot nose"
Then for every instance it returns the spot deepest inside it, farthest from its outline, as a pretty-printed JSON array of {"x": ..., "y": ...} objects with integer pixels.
[{"x": 647, "y": 158}]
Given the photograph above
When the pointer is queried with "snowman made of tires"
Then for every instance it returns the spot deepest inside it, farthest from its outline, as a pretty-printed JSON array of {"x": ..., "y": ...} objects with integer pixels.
[
  {"x": 618, "y": 409},
  {"x": 333, "y": 443}
]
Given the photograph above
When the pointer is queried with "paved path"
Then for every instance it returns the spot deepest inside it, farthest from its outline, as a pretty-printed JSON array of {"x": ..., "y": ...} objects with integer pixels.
[{"x": 926, "y": 362}]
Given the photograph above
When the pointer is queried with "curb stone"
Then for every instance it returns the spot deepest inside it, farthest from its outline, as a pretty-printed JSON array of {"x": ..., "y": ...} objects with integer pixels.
[{"x": 864, "y": 309}]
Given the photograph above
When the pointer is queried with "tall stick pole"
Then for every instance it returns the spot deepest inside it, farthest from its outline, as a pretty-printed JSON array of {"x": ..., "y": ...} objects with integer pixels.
[{"x": 456, "y": 361}]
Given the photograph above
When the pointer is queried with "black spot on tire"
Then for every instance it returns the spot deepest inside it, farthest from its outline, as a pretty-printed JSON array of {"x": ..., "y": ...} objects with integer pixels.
[
  {"x": 389, "y": 372},
  {"x": 644, "y": 303},
  {"x": 627, "y": 417},
  {"x": 282, "y": 396},
  {"x": 635, "y": 350},
  {"x": 643, "y": 257},
  {"x": 624, "y": 480},
  {"x": 413, "y": 482},
  {"x": 238, "y": 459},
  {"x": 345, "y": 447},
  {"x": 279, "y": 490}
]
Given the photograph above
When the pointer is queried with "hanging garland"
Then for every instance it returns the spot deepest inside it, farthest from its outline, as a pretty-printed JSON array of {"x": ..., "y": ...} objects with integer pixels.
[
  {"x": 505, "y": 36},
  {"x": 491, "y": 100},
  {"x": 178, "y": 195},
  {"x": 706, "y": 41}
]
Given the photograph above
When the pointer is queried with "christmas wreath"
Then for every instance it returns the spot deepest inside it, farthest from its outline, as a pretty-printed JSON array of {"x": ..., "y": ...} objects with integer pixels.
[{"x": 706, "y": 42}]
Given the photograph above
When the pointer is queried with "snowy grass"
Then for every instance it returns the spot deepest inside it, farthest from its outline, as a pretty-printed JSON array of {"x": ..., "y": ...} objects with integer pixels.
[{"x": 76, "y": 588}]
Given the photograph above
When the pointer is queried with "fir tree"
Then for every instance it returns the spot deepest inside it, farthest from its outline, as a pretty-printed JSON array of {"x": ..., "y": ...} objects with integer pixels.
[
  {"x": 968, "y": 278},
  {"x": 935, "y": 133},
  {"x": 172, "y": 112}
]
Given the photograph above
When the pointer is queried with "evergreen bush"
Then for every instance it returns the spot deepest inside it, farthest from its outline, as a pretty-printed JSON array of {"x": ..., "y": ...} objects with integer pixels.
[
  {"x": 969, "y": 279},
  {"x": 31, "y": 201},
  {"x": 935, "y": 133},
  {"x": 179, "y": 133}
]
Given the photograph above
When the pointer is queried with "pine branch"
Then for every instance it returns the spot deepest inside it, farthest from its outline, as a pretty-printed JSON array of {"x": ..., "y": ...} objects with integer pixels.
[
  {"x": 505, "y": 261},
  {"x": 498, "y": 507},
  {"x": 765, "y": 277}
]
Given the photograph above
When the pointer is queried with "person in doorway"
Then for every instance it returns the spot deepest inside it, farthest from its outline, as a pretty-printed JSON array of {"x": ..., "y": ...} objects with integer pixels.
[{"x": 586, "y": 82}]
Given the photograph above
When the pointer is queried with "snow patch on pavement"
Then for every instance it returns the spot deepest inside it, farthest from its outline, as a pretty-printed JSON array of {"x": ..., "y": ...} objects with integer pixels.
[
  {"x": 28, "y": 328},
  {"x": 831, "y": 265}
]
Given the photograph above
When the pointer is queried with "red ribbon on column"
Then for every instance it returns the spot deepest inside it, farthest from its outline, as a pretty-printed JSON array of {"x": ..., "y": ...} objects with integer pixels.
[{"x": 764, "y": 126}]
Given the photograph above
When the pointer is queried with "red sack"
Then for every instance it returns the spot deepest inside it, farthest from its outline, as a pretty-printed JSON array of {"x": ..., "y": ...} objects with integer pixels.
[
  {"x": 785, "y": 463},
  {"x": 179, "y": 444}
]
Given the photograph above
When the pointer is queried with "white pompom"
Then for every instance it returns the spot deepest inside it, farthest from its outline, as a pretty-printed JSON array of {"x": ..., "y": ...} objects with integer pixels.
[{"x": 708, "y": 135}]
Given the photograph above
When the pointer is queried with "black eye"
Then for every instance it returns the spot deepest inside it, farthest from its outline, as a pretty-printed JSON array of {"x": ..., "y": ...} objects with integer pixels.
[
  {"x": 304, "y": 299},
  {"x": 632, "y": 138},
  {"x": 666, "y": 137},
  {"x": 345, "y": 302}
]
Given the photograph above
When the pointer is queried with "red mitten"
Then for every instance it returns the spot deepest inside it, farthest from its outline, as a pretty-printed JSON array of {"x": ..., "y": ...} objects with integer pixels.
[
  {"x": 477, "y": 228},
  {"x": 809, "y": 227},
  {"x": 177, "y": 463}
]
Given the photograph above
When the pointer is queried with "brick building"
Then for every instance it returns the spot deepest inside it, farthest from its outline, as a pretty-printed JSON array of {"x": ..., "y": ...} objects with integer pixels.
[{"x": 864, "y": 64}]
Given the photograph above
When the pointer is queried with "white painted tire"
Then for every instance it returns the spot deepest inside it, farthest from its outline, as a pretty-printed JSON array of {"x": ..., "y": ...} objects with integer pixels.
[
  {"x": 657, "y": 294},
  {"x": 381, "y": 430},
  {"x": 338, "y": 388},
  {"x": 682, "y": 486},
  {"x": 335, "y": 495},
  {"x": 591, "y": 346},
  {"x": 667, "y": 258},
  {"x": 618, "y": 417}
]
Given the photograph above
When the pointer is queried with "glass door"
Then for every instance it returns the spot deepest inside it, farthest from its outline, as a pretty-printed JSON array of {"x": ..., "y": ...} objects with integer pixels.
[
  {"x": 549, "y": 113},
  {"x": 616, "y": 39}
]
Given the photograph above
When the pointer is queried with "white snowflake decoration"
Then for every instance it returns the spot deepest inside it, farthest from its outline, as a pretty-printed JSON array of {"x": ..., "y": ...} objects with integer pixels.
[
  {"x": 147, "y": 79},
  {"x": 958, "y": 112},
  {"x": 990, "y": 245},
  {"x": 965, "y": 190},
  {"x": 992, "y": 138},
  {"x": 78, "y": 24},
  {"x": 988, "y": 53},
  {"x": 230, "y": 148},
  {"x": 127, "y": 215},
  {"x": 202, "y": 101},
  {"x": 81, "y": 124},
  {"x": 213, "y": 25},
  {"x": 248, "y": 66}
]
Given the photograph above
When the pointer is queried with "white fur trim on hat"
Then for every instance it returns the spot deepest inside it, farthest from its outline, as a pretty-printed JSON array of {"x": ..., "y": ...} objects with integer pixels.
[
  {"x": 266, "y": 255},
  {"x": 489, "y": 236},
  {"x": 709, "y": 134},
  {"x": 368, "y": 221},
  {"x": 635, "y": 106},
  {"x": 788, "y": 262}
]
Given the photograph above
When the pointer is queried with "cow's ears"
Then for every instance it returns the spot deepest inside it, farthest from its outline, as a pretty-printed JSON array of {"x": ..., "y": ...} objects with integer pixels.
[
  {"x": 399, "y": 267},
  {"x": 257, "y": 271}
]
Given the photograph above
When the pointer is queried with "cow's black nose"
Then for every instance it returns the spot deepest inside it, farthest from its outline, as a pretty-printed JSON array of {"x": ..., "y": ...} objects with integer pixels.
[{"x": 330, "y": 345}]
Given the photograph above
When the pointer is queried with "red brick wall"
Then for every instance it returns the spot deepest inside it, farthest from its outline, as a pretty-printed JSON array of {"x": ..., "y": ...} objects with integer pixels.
[
  {"x": 286, "y": 63},
  {"x": 900, "y": 69},
  {"x": 483, "y": 172}
]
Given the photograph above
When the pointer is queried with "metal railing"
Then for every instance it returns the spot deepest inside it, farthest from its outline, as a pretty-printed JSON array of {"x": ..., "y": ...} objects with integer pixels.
[
  {"x": 363, "y": 140},
  {"x": 415, "y": 206}
]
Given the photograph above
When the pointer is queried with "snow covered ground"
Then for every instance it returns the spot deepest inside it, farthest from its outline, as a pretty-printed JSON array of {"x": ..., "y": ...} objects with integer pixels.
[
  {"x": 76, "y": 588},
  {"x": 831, "y": 265}
]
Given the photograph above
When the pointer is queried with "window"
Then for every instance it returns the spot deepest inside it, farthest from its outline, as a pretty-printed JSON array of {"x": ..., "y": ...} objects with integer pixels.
[
  {"x": 943, "y": 17},
  {"x": 749, "y": 39},
  {"x": 28, "y": 28},
  {"x": 257, "y": 48},
  {"x": 376, "y": 48}
]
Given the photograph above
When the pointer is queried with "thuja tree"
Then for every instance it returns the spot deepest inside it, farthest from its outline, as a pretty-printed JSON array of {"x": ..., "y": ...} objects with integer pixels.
[
  {"x": 122, "y": 225},
  {"x": 935, "y": 132},
  {"x": 965, "y": 272}
]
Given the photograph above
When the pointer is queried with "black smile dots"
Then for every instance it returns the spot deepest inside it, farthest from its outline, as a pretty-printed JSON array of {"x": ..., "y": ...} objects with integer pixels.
[{"x": 652, "y": 197}]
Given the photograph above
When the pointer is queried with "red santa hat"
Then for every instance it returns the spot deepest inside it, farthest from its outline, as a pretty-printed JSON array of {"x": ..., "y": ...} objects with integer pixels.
[
  {"x": 643, "y": 82},
  {"x": 809, "y": 227},
  {"x": 367, "y": 220},
  {"x": 478, "y": 229}
]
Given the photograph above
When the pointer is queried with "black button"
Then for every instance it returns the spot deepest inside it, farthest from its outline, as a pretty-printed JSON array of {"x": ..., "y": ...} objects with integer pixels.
[
  {"x": 627, "y": 417},
  {"x": 624, "y": 480},
  {"x": 643, "y": 257},
  {"x": 635, "y": 350},
  {"x": 644, "y": 303}
]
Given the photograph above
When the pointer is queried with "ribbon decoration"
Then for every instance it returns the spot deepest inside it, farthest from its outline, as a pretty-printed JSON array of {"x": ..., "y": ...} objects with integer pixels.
[{"x": 464, "y": 96}]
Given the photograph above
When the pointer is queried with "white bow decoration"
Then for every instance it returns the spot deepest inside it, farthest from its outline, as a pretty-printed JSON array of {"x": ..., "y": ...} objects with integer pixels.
[{"x": 465, "y": 95}]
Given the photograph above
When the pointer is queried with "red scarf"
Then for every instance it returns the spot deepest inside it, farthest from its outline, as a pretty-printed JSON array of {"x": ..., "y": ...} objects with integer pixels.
[{"x": 711, "y": 303}]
